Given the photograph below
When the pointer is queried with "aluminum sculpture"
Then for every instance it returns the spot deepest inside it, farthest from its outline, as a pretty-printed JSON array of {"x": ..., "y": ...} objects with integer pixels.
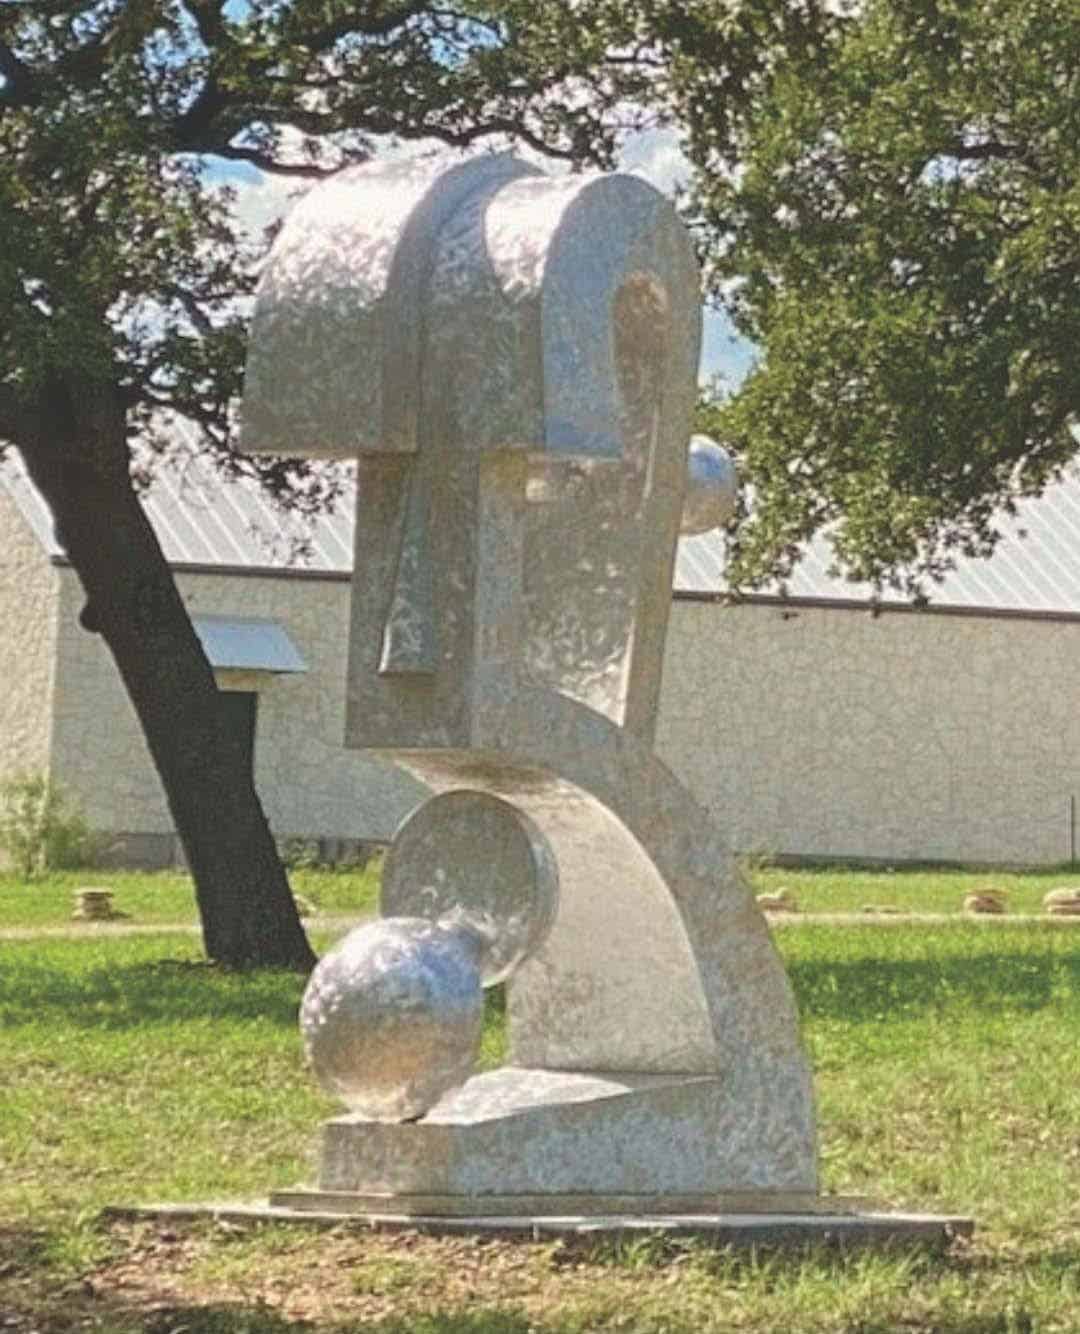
[{"x": 511, "y": 358}]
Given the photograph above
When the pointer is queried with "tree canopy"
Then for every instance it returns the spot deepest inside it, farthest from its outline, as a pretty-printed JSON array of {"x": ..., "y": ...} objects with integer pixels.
[
  {"x": 125, "y": 273},
  {"x": 891, "y": 213},
  {"x": 122, "y": 260}
]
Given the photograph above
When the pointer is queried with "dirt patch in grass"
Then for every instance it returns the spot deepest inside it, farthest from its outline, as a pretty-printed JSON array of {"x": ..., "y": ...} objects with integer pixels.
[
  {"x": 193, "y": 1277},
  {"x": 234, "y": 1279}
]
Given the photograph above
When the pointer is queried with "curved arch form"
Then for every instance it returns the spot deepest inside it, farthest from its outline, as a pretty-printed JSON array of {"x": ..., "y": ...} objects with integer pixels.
[
  {"x": 335, "y": 350},
  {"x": 659, "y": 961}
]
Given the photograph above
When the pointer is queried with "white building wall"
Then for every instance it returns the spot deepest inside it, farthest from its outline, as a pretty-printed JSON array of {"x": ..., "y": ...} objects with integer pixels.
[
  {"x": 830, "y": 732},
  {"x": 816, "y": 732},
  {"x": 308, "y": 782},
  {"x": 29, "y": 587}
]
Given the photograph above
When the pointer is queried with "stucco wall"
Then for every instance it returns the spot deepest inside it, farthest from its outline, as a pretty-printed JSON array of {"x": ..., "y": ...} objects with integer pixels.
[
  {"x": 830, "y": 732},
  {"x": 821, "y": 733},
  {"x": 28, "y": 602},
  {"x": 308, "y": 782}
]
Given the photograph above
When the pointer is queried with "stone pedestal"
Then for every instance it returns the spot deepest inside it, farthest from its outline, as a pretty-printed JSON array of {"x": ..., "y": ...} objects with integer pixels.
[{"x": 542, "y": 1141}]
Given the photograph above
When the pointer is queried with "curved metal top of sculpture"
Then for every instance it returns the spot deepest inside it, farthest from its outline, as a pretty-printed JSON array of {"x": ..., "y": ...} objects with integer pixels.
[
  {"x": 425, "y": 319},
  {"x": 387, "y": 256},
  {"x": 512, "y": 360}
]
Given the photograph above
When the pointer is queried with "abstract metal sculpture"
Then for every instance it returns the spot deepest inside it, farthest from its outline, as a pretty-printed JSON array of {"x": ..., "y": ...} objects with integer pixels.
[{"x": 512, "y": 360}]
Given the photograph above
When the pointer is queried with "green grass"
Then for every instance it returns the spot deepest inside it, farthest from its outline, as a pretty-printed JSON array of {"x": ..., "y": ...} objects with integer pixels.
[
  {"x": 167, "y": 898},
  {"x": 837, "y": 889},
  {"x": 134, "y": 1071},
  {"x": 945, "y": 1062}
]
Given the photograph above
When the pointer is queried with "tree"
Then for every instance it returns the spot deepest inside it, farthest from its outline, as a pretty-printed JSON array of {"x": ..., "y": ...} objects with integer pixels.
[
  {"x": 890, "y": 209},
  {"x": 123, "y": 274}
]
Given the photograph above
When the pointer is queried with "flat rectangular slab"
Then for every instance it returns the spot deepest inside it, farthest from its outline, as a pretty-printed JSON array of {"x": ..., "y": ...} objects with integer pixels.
[
  {"x": 568, "y": 1204},
  {"x": 742, "y": 1230}
]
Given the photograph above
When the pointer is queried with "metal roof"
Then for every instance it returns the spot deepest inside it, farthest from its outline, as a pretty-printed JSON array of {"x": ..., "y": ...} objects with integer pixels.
[
  {"x": 203, "y": 521},
  {"x": 247, "y": 643}
]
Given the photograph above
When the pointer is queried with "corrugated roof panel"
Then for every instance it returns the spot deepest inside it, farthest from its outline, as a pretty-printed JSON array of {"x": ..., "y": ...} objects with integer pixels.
[
  {"x": 182, "y": 522},
  {"x": 247, "y": 643},
  {"x": 202, "y": 519}
]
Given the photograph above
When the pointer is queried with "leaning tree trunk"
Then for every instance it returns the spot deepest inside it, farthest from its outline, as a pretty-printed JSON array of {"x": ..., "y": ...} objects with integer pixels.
[{"x": 79, "y": 462}]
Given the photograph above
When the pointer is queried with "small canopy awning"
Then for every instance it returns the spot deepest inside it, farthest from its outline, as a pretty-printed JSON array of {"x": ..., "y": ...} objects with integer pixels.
[{"x": 247, "y": 644}]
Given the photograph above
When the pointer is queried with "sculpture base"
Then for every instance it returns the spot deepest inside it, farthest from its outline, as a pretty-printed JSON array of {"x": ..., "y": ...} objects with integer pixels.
[
  {"x": 353, "y": 1203},
  {"x": 557, "y": 1136},
  {"x": 742, "y": 1230}
]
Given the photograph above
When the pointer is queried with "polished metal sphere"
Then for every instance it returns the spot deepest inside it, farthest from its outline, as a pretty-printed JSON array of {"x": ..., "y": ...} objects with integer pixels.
[
  {"x": 711, "y": 487},
  {"x": 391, "y": 1017}
]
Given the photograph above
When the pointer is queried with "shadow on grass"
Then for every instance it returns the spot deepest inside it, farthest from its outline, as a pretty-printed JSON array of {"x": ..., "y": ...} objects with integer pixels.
[
  {"x": 235, "y": 1318},
  {"x": 130, "y": 994},
  {"x": 868, "y": 989},
  {"x": 35, "y": 1300},
  {"x": 22, "y": 1249},
  {"x": 162, "y": 991}
]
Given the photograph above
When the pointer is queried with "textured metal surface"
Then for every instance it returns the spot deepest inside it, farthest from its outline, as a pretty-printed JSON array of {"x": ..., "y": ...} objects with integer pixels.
[
  {"x": 391, "y": 1016},
  {"x": 711, "y": 487},
  {"x": 247, "y": 643},
  {"x": 335, "y": 354},
  {"x": 560, "y": 318},
  {"x": 507, "y": 636},
  {"x": 551, "y": 1132},
  {"x": 659, "y": 961},
  {"x": 468, "y": 857}
]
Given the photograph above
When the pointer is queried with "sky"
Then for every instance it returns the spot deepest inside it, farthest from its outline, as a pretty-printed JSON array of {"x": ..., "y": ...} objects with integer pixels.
[{"x": 653, "y": 155}]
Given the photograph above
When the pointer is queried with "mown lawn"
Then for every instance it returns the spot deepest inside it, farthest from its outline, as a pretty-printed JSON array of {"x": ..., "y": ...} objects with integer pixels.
[
  {"x": 946, "y": 1065},
  {"x": 838, "y": 889},
  {"x": 167, "y": 898}
]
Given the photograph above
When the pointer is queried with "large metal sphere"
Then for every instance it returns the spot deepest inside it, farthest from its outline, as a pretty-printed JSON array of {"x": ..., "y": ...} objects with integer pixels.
[
  {"x": 711, "y": 487},
  {"x": 391, "y": 1016}
]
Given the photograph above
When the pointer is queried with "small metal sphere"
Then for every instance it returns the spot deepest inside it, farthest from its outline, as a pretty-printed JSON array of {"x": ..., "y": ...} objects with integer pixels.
[
  {"x": 711, "y": 487},
  {"x": 391, "y": 1017}
]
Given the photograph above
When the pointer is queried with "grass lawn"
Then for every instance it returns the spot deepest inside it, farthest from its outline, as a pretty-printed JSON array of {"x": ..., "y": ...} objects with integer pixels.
[
  {"x": 946, "y": 1066},
  {"x": 167, "y": 898},
  {"x": 832, "y": 889}
]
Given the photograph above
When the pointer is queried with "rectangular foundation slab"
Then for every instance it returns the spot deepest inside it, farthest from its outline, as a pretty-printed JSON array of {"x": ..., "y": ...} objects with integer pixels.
[
  {"x": 561, "y": 1206},
  {"x": 739, "y": 1230}
]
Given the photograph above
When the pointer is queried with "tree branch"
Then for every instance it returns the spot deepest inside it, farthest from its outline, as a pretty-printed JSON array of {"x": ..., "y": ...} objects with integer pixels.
[
  {"x": 322, "y": 39},
  {"x": 266, "y": 162},
  {"x": 191, "y": 308},
  {"x": 17, "y": 421},
  {"x": 464, "y": 138},
  {"x": 209, "y": 20},
  {"x": 988, "y": 150},
  {"x": 190, "y": 130}
]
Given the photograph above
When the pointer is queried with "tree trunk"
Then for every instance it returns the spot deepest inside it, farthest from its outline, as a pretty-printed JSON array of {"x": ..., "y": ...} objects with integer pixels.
[{"x": 79, "y": 463}]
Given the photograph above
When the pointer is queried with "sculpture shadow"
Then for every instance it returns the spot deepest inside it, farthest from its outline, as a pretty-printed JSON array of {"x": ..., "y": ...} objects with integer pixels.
[
  {"x": 113, "y": 1311},
  {"x": 165, "y": 992}
]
